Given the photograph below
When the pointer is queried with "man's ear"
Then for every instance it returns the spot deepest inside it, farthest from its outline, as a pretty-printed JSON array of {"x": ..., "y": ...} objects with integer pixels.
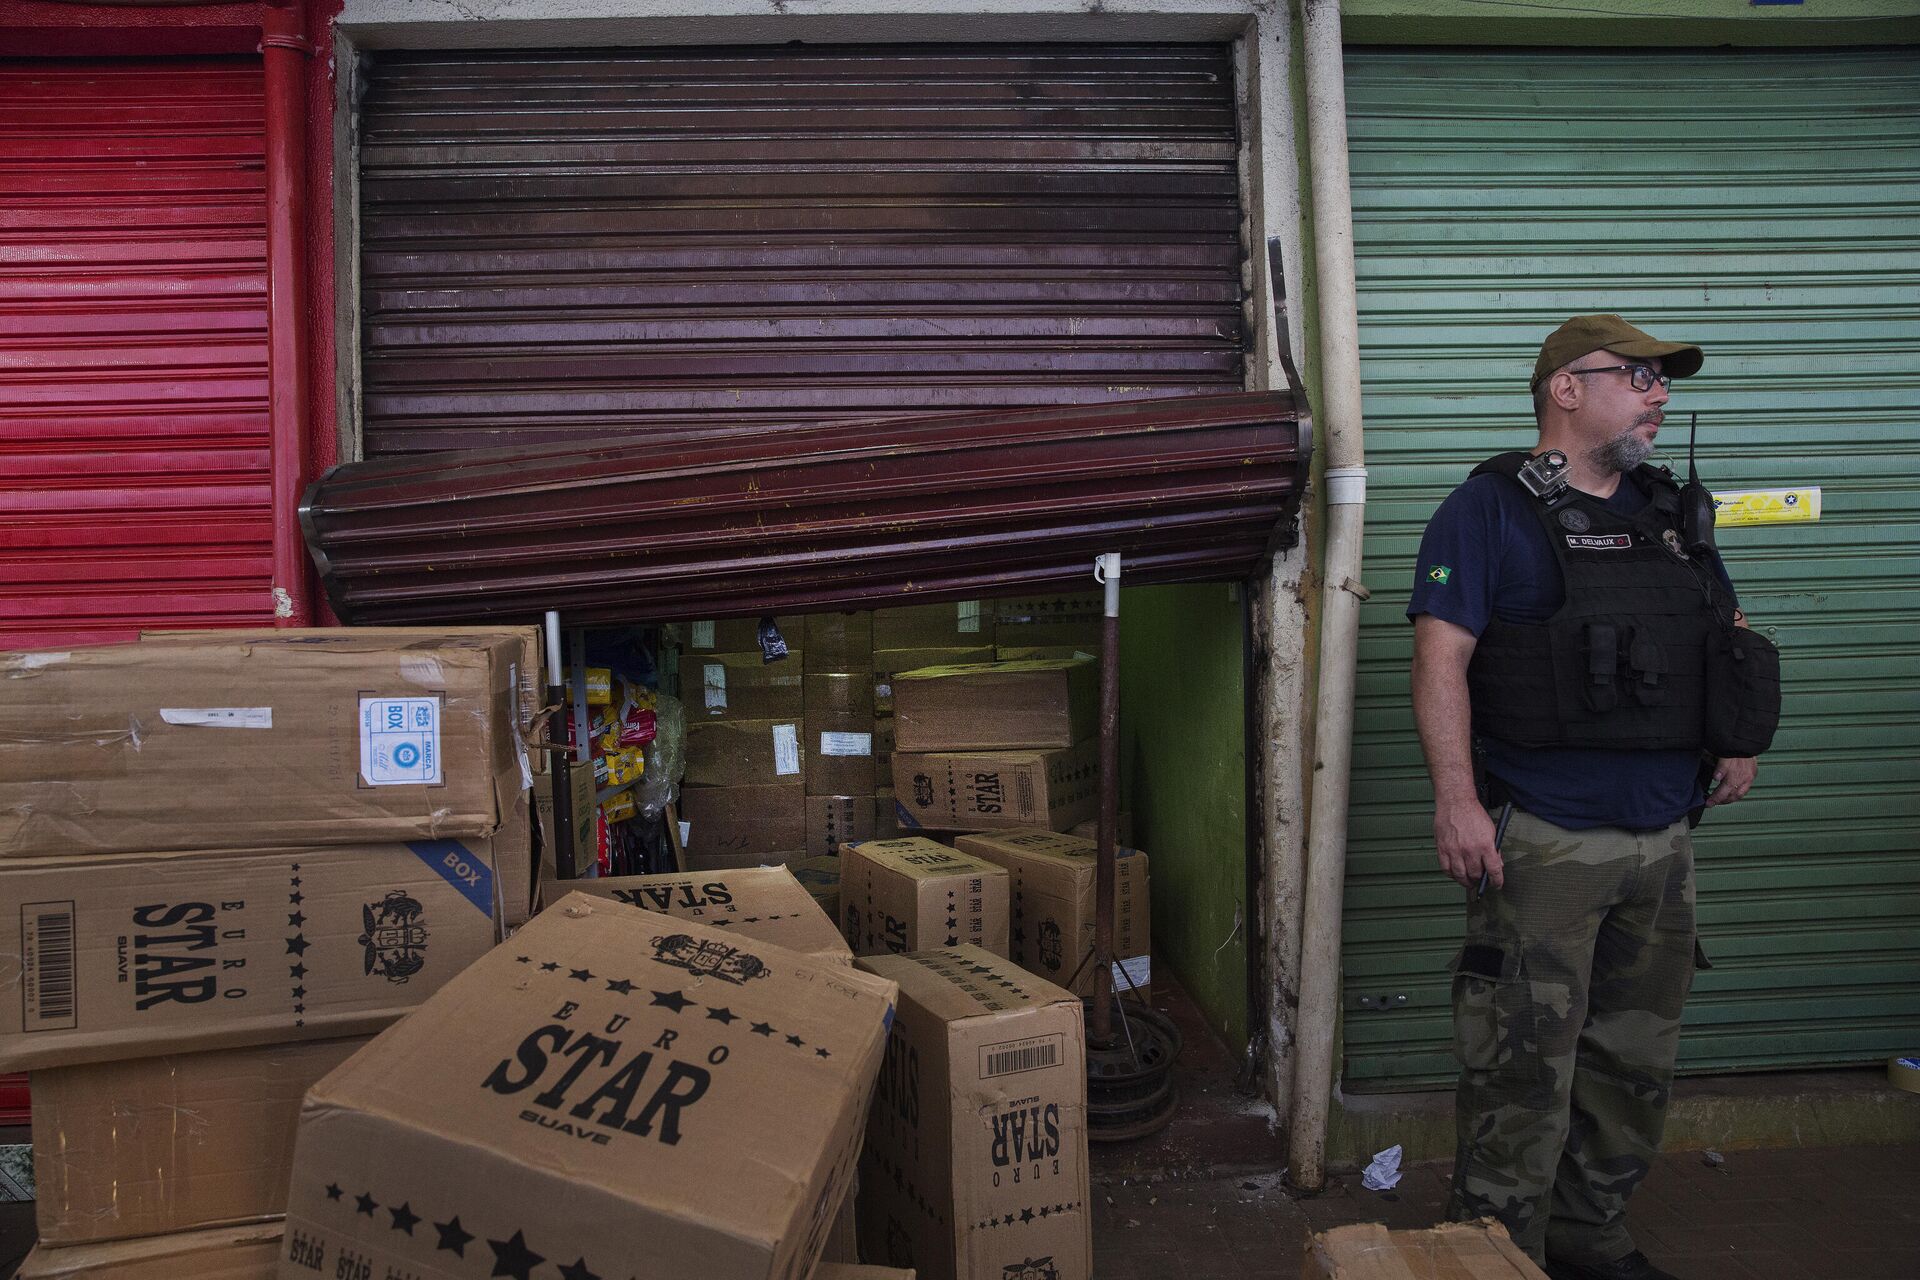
[{"x": 1564, "y": 389}]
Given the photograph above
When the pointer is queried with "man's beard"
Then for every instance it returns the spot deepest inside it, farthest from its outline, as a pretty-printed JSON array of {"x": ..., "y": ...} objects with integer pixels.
[{"x": 1622, "y": 453}]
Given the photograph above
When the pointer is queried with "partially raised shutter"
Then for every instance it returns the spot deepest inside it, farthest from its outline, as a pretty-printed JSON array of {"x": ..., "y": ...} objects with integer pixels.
[
  {"x": 133, "y": 368},
  {"x": 1767, "y": 206},
  {"x": 557, "y": 246}
]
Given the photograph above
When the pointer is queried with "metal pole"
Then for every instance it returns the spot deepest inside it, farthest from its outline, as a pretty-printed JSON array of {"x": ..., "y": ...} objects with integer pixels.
[
  {"x": 284, "y": 52},
  {"x": 559, "y": 760},
  {"x": 1106, "y": 570}
]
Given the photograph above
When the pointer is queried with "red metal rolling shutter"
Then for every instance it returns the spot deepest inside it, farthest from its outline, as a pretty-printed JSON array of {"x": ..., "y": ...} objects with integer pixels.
[
  {"x": 558, "y": 246},
  {"x": 133, "y": 358}
]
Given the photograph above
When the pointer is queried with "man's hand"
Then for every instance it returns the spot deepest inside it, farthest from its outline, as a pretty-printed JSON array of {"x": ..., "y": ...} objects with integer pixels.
[
  {"x": 1463, "y": 836},
  {"x": 1732, "y": 779}
]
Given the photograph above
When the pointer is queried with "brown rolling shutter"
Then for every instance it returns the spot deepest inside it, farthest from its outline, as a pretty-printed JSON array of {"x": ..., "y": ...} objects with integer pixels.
[{"x": 558, "y": 246}]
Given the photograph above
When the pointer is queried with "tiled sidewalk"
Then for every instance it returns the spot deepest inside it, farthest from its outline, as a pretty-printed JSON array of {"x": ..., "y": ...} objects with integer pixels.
[{"x": 1832, "y": 1213}]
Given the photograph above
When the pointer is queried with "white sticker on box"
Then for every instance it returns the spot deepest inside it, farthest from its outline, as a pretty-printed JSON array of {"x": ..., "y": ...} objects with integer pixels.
[
  {"x": 400, "y": 741},
  {"x": 702, "y": 635},
  {"x": 846, "y": 744},
  {"x": 1136, "y": 971},
  {"x": 883, "y": 690},
  {"x": 969, "y": 615},
  {"x": 685, "y": 828},
  {"x": 220, "y": 717},
  {"x": 786, "y": 749},
  {"x": 715, "y": 685}
]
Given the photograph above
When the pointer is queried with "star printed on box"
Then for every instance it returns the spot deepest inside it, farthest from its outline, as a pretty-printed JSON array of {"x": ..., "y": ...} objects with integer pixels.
[
  {"x": 673, "y": 1000},
  {"x": 453, "y": 1237},
  {"x": 333, "y": 1191},
  {"x": 722, "y": 1015},
  {"x": 404, "y": 1218},
  {"x": 580, "y": 975},
  {"x": 550, "y": 966},
  {"x": 364, "y": 1203},
  {"x": 297, "y": 919},
  {"x": 577, "y": 1270},
  {"x": 622, "y": 987},
  {"x": 511, "y": 1257},
  {"x": 762, "y": 1028},
  {"x": 523, "y": 959}
]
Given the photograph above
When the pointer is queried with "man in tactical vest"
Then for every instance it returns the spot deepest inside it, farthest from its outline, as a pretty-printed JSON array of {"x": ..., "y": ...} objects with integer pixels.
[{"x": 1572, "y": 637}]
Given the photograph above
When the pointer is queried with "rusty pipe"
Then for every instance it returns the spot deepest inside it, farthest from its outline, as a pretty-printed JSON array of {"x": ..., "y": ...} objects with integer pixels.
[
  {"x": 284, "y": 51},
  {"x": 1107, "y": 572}
]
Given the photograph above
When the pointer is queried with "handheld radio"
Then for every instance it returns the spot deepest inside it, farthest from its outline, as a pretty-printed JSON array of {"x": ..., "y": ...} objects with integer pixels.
[{"x": 1696, "y": 503}]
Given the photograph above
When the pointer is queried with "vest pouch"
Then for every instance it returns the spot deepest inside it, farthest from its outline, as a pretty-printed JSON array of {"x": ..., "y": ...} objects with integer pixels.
[
  {"x": 1743, "y": 692},
  {"x": 1647, "y": 670},
  {"x": 1601, "y": 685}
]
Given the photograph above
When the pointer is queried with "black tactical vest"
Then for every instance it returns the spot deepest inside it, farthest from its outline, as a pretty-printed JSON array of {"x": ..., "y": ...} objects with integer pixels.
[{"x": 1624, "y": 662}]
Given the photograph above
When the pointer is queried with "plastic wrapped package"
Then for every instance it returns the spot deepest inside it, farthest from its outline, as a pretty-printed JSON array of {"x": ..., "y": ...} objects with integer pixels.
[{"x": 667, "y": 757}]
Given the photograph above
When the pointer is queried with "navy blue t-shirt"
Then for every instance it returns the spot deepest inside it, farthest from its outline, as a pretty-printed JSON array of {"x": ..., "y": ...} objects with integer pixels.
[{"x": 1485, "y": 553}]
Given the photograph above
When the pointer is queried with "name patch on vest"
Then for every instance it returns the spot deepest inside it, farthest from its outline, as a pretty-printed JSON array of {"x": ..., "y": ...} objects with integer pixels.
[{"x": 1600, "y": 542}]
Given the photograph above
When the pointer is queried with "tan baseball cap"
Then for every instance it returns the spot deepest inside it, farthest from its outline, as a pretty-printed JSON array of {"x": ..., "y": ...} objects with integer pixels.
[{"x": 1582, "y": 334}]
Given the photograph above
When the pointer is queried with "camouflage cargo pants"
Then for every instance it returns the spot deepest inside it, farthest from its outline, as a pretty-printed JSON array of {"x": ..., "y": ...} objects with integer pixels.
[{"x": 1566, "y": 1016}]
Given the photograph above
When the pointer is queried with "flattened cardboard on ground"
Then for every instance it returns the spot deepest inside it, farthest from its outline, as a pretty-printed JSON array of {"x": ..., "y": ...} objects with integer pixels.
[
  {"x": 615, "y": 1091},
  {"x": 766, "y": 904},
  {"x": 888, "y": 662},
  {"x": 739, "y": 686},
  {"x": 173, "y": 1143},
  {"x": 975, "y": 1162},
  {"x": 1452, "y": 1251},
  {"x": 172, "y": 744},
  {"x": 1054, "y": 904},
  {"x": 744, "y": 753},
  {"x": 913, "y": 894},
  {"x": 989, "y": 790},
  {"x": 834, "y": 820},
  {"x": 840, "y": 641},
  {"x": 927, "y": 626},
  {"x": 742, "y": 635},
  {"x": 138, "y": 954},
  {"x": 991, "y": 706},
  {"x": 744, "y": 826},
  {"x": 220, "y": 1253}
]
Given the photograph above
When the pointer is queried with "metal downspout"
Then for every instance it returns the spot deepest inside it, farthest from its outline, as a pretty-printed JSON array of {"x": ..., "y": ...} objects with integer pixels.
[
  {"x": 284, "y": 50},
  {"x": 1341, "y": 595}
]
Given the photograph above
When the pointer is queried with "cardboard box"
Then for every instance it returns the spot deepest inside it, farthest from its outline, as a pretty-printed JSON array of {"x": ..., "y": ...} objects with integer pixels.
[
  {"x": 174, "y": 1143},
  {"x": 995, "y": 705},
  {"x": 839, "y": 734},
  {"x": 1062, "y": 618},
  {"x": 744, "y": 753},
  {"x": 987, "y": 790},
  {"x": 610, "y": 1076},
  {"x": 766, "y": 904},
  {"x": 739, "y": 686},
  {"x": 140, "y": 954},
  {"x": 888, "y": 662},
  {"x": 585, "y": 826},
  {"x": 1090, "y": 829},
  {"x": 742, "y": 635},
  {"x": 173, "y": 744},
  {"x": 744, "y": 826},
  {"x": 513, "y": 863},
  {"x": 1452, "y": 1251},
  {"x": 853, "y": 1271},
  {"x": 912, "y": 894},
  {"x": 840, "y": 641},
  {"x": 933, "y": 626},
  {"x": 886, "y": 815},
  {"x": 820, "y": 877},
  {"x": 1054, "y": 906},
  {"x": 835, "y": 820},
  {"x": 221, "y": 1253},
  {"x": 883, "y": 748},
  {"x": 975, "y": 1163}
]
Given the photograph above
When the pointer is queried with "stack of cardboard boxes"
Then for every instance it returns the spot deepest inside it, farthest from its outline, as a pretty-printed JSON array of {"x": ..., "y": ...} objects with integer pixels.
[
  {"x": 233, "y": 858},
  {"x": 743, "y": 801},
  {"x": 840, "y": 730}
]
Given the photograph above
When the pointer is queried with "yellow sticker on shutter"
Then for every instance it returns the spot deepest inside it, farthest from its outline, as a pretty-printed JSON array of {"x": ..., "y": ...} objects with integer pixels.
[{"x": 1767, "y": 506}]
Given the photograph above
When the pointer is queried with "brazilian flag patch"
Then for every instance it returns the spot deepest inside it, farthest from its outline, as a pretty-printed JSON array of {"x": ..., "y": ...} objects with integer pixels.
[{"x": 1439, "y": 573}]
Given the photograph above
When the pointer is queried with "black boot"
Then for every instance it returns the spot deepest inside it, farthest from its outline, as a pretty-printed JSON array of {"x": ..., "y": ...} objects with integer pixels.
[{"x": 1632, "y": 1267}]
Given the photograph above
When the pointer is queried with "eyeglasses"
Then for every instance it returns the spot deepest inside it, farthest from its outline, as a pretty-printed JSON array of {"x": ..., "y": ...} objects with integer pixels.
[{"x": 1640, "y": 375}]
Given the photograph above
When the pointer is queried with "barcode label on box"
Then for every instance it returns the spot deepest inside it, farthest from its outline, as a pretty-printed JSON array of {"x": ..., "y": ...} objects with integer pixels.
[
  {"x": 786, "y": 749},
  {"x": 47, "y": 955},
  {"x": 703, "y": 635},
  {"x": 715, "y": 684},
  {"x": 219, "y": 717},
  {"x": 969, "y": 615},
  {"x": 400, "y": 742},
  {"x": 846, "y": 744},
  {"x": 1014, "y": 1056}
]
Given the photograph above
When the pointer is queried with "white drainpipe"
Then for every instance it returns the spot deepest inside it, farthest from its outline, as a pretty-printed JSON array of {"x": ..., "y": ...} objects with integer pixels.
[{"x": 1341, "y": 593}]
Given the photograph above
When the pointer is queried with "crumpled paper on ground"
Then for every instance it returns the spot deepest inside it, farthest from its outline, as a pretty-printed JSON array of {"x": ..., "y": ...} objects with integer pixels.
[{"x": 1383, "y": 1172}]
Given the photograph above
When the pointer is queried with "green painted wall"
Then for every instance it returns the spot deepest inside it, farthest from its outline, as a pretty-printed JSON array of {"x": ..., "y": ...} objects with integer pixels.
[
  {"x": 1660, "y": 23},
  {"x": 1183, "y": 772}
]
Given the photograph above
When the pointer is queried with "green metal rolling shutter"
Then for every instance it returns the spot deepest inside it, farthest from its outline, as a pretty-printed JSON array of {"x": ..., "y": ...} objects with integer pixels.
[{"x": 1766, "y": 206}]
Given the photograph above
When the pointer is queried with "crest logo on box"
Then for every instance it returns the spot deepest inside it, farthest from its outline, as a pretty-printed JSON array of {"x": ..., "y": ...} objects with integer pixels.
[
  {"x": 709, "y": 959},
  {"x": 1049, "y": 944},
  {"x": 1031, "y": 1269},
  {"x": 395, "y": 936},
  {"x": 922, "y": 790}
]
